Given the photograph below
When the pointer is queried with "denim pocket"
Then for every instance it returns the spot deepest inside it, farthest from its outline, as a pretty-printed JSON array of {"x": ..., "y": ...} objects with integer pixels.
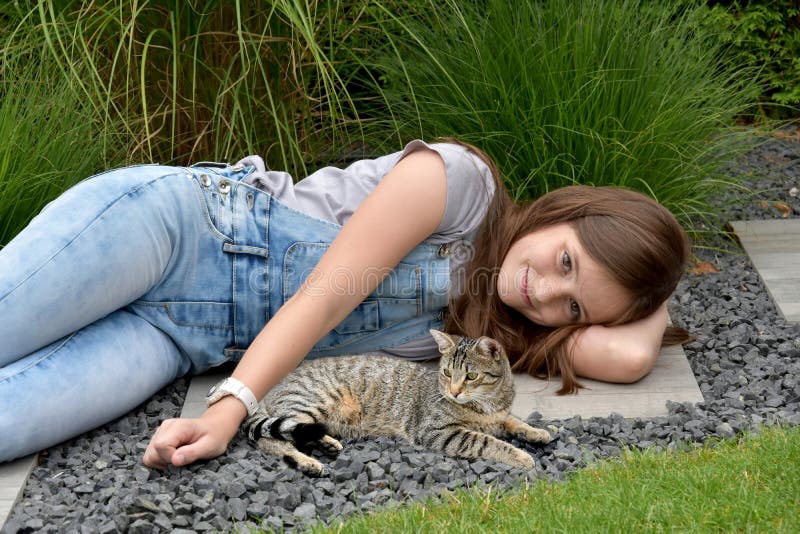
[{"x": 395, "y": 299}]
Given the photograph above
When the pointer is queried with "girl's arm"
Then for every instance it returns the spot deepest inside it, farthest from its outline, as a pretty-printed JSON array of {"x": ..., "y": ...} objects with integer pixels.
[
  {"x": 404, "y": 209},
  {"x": 623, "y": 353}
]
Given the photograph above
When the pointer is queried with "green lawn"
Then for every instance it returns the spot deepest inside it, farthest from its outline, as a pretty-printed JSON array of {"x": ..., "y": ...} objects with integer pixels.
[{"x": 747, "y": 484}]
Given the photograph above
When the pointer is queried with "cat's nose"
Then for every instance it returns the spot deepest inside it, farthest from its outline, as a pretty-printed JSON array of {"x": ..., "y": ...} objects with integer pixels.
[{"x": 455, "y": 391}]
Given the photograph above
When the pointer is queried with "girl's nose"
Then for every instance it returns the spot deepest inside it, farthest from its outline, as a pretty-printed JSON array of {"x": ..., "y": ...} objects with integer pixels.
[{"x": 547, "y": 289}]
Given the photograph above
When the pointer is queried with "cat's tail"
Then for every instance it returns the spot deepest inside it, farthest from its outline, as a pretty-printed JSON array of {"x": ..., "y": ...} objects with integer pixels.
[{"x": 261, "y": 425}]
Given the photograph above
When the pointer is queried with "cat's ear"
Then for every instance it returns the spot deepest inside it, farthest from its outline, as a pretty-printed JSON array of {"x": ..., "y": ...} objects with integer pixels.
[
  {"x": 445, "y": 341},
  {"x": 491, "y": 347}
]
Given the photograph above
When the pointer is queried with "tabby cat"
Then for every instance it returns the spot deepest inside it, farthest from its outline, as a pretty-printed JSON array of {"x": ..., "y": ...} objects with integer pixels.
[{"x": 458, "y": 410}]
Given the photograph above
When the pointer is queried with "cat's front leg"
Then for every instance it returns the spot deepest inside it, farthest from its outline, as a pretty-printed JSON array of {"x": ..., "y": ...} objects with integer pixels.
[
  {"x": 329, "y": 445},
  {"x": 287, "y": 451},
  {"x": 472, "y": 444},
  {"x": 522, "y": 431}
]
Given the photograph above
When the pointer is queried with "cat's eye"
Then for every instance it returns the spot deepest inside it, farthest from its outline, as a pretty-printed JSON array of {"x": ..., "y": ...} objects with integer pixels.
[
  {"x": 446, "y": 372},
  {"x": 472, "y": 376}
]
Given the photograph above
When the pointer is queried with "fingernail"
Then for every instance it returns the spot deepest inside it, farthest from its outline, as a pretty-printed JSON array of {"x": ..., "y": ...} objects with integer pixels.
[{"x": 179, "y": 459}]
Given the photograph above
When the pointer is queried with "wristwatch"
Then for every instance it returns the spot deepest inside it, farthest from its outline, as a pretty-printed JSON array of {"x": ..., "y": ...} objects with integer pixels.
[{"x": 232, "y": 386}]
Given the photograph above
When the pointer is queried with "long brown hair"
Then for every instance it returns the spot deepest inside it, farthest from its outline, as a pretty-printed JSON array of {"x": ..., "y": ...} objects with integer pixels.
[{"x": 636, "y": 239}]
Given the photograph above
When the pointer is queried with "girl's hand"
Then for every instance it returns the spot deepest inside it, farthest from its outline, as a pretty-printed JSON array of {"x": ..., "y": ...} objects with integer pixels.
[{"x": 183, "y": 441}]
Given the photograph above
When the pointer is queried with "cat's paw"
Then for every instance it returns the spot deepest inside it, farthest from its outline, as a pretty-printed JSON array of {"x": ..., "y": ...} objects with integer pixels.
[
  {"x": 537, "y": 435},
  {"x": 524, "y": 461},
  {"x": 306, "y": 465},
  {"x": 329, "y": 446}
]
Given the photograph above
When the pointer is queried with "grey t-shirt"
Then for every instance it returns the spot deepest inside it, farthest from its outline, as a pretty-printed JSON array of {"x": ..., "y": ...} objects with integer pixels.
[{"x": 333, "y": 194}]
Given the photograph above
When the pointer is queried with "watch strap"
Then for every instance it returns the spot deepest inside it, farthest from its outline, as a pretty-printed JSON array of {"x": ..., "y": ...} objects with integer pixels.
[{"x": 232, "y": 386}]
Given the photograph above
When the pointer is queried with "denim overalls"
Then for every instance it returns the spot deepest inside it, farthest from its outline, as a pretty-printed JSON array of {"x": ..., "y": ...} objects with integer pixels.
[
  {"x": 140, "y": 275},
  {"x": 255, "y": 255}
]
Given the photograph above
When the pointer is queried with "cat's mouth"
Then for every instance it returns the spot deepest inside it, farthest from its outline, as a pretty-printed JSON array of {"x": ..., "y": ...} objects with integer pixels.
[{"x": 459, "y": 400}]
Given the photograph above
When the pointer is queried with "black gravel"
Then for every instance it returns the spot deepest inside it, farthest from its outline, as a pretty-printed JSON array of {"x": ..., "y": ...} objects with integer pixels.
[{"x": 746, "y": 359}]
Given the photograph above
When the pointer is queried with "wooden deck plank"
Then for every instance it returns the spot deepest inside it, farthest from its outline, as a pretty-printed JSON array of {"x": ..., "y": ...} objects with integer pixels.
[
  {"x": 766, "y": 227},
  {"x": 774, "y": 247},
  {"x": 777, "y": 264},
  {"x": 195, "y": 402},
  {"x": 671, "y": 379},
  {"x": 766, "y": 243},
  {"x": 13, "y": 476},
  {"x": 784, "y": 290}
]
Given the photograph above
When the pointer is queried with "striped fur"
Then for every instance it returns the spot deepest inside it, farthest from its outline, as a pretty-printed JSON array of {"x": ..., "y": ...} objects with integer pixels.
[{"x": 459, "y": 410}]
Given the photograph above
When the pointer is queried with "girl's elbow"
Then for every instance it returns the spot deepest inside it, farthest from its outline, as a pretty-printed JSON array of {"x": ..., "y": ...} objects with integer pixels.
[{"x": 635, "y": 365}]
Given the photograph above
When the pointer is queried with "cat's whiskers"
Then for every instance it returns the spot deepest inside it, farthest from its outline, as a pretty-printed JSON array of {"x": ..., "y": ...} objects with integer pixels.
[{"x": 485, "y": 401}]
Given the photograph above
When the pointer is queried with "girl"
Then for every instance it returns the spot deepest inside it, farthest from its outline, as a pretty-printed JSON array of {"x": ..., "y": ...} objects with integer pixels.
[{"x": 141, "y": 275}]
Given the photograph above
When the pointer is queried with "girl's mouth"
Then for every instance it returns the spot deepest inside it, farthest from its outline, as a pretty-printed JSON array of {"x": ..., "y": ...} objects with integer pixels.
[{"x": 524, "y": 288}]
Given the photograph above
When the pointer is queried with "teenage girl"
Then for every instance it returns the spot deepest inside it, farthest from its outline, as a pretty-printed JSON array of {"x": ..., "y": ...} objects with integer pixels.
[{"x": 141, "y": 275}]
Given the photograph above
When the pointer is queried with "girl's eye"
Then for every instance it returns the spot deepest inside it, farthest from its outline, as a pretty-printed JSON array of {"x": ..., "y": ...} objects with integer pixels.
[
  {"x": 446, "y": 372},
  {"x": 566, "y": 262},
  {"x": 574, "y": 309},
  {"x": 472, "y": 376}
]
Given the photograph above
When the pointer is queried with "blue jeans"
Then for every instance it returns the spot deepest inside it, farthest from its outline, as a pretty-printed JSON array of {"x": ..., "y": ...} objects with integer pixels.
[{"x": 140, "y": 275}]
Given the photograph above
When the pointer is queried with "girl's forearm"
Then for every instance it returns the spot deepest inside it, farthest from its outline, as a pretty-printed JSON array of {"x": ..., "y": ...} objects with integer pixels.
[
  {"x": 623, "y": 353},
  {"x": 279, "y": 347},
  {"x": 285, "y": 340}
]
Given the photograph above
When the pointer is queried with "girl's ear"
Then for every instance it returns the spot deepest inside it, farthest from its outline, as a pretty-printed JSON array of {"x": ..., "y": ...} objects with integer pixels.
[
  {"x": 446, "y": 342},
  {"x": 491, "y": 347}
]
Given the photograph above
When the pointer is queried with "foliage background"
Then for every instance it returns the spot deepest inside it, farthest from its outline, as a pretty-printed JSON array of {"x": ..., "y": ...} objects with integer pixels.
[
  {"x": 628, "y": 92},
  {"x": 766, "y": 33}
]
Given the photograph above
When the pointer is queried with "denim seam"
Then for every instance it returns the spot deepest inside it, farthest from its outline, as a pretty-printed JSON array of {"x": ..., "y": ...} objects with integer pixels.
[
  {"x": 337, "y": 226},
  {"x": 234, "y": 261},
  {"x": 204, "y": 209},
  {"x": 369, "y": 315},
  {"x": 418, "y": 292},
  {"x": 288, "y": 262},
  {"x": 430, "y": 321},
  {"x": 99, "y": 215},
  {"x": 166, "y": 307},
  {"x": 40, "y": 360},
  {"x": 267, "y": 260}
]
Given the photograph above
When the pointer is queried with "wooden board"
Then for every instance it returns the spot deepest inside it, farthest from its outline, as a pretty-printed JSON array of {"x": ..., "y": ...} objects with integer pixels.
[
  {"x": 195, "y": 403},
  {"x": 13, "y": 476},
  {"x": 671, "y": 379},
  {"x": 774, "y": 247}
]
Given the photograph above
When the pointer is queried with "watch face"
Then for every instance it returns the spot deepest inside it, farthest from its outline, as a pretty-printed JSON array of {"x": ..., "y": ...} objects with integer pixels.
[{"x": 213, "y": 390}]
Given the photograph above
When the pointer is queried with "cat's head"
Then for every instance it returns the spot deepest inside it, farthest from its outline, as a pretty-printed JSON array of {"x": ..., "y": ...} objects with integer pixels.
[{"x": 474, "y": 370}]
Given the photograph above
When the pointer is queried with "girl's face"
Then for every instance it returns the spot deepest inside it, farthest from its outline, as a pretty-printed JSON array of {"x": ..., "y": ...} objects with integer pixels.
[{"x": 549, "y": 278}]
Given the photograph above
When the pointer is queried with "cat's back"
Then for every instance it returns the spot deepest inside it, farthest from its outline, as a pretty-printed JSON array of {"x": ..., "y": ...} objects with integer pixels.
[
  {"x": 368, "y": 374},
  {"x": 356, "y": 395}
]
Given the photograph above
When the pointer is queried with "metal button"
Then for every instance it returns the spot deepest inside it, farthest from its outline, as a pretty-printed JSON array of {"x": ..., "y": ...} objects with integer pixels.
[
  {"x": 444, "y": 250},
  {"x": 224, "y": 187},
  {"x": 251, "y": 200},
  {"x": 205, "y": 180}
]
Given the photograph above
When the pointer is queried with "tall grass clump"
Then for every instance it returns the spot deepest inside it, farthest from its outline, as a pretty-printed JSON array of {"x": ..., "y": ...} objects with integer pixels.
[
  {"x": 212, "y": 80},
  {"x": 48, "y": 142},
  {"x": 637, "y": 94}
]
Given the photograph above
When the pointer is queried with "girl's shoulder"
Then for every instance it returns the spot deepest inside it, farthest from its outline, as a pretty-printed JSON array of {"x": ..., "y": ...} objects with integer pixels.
[
  {"x": 334, "y": 193},
  {"x": 470, "y": 187}
]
